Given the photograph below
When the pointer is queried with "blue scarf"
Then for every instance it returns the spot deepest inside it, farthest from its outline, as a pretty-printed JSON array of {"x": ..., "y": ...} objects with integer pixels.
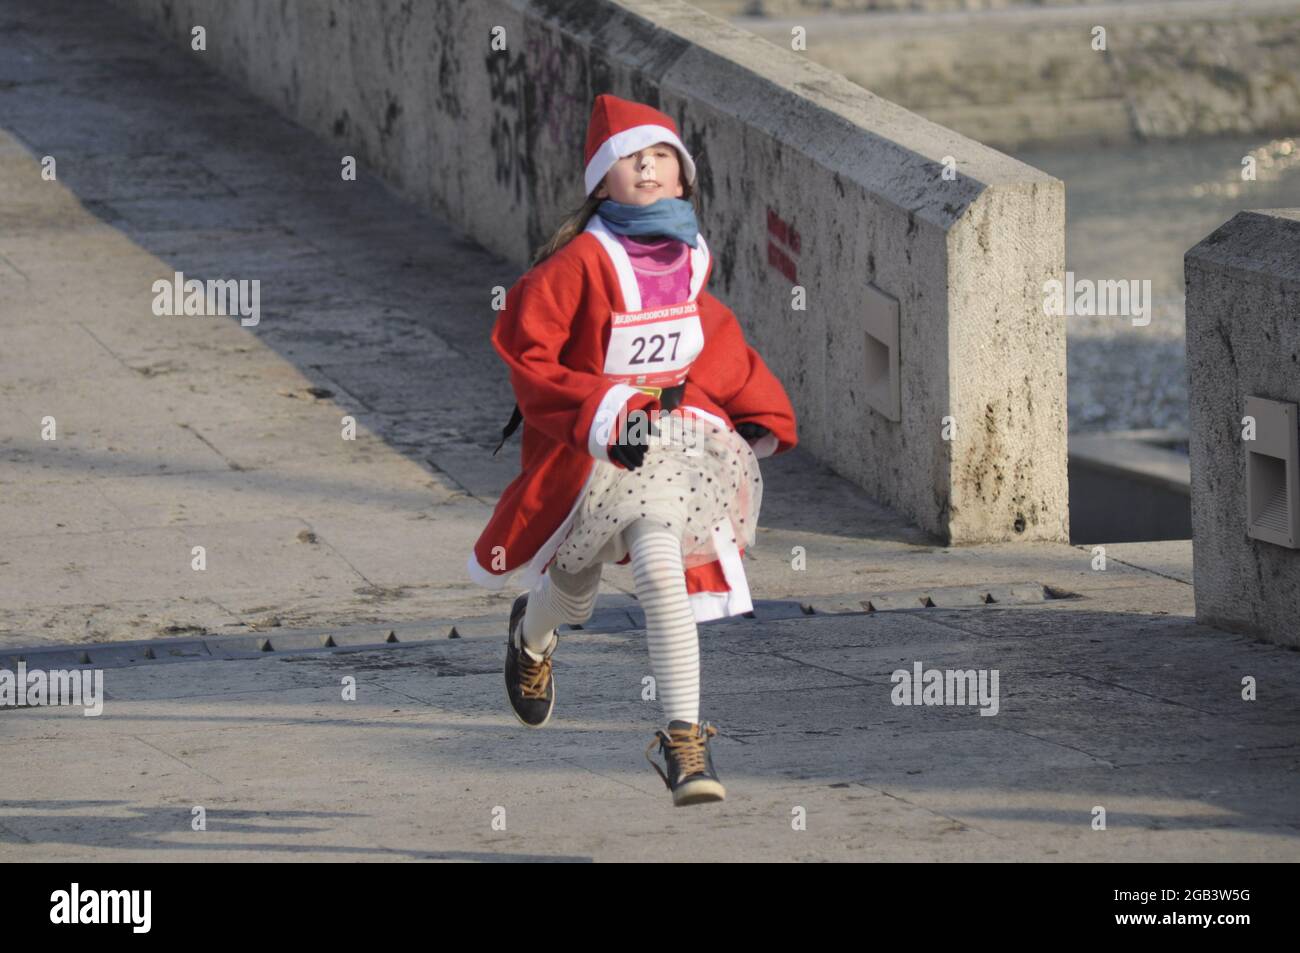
[{"x": 674, "y": 218}]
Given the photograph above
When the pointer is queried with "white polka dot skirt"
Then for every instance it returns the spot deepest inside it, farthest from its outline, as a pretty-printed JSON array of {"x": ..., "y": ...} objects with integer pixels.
[{"x": 696, "y": 476}]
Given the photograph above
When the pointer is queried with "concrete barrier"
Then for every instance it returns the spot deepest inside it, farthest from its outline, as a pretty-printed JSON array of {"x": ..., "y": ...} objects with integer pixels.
[
  {"x": 1243, "y": 360},
  {"x": 923, "y": 368}
]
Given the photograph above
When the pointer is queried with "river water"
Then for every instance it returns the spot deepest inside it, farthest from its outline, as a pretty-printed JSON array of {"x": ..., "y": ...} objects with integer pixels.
[{"x": 1132, "y": 213}]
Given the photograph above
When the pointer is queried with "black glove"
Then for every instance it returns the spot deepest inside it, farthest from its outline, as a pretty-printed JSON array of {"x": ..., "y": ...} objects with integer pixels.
[
  {"x": 752, "y": 432},
  {"x": 629, "y": 455},
  {"x": 630, "y": 449}
]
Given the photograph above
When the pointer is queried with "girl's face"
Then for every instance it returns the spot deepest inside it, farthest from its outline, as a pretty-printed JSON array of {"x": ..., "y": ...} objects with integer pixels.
[{"x": 643, "y": 177}]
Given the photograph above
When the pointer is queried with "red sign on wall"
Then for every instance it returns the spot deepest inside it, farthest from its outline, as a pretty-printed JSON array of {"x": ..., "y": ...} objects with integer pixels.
[{"x": 782, "y": 259}]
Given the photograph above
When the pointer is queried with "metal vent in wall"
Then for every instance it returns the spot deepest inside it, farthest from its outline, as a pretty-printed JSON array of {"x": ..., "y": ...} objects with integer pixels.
[
  {"x": 1273, "y": 474},
  {"x": 882, "y": 391}
]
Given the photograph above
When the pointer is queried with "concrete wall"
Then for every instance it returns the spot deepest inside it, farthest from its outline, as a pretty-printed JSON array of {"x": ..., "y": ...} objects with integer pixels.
[
  {"x": 492, "y": 141},
  {"x": 1243, "y": 340}
]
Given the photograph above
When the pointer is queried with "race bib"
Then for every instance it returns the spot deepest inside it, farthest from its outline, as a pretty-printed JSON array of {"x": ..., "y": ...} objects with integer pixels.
[{"x": 654, "y": 347}]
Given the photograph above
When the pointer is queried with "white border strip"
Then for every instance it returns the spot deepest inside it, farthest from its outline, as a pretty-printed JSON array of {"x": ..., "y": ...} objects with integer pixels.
[
  {"x": 622, "y": 264},
  {"x": 699, "y": 265}
]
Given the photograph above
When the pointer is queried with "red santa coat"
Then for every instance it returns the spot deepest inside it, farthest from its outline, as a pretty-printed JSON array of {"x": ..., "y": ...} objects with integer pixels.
[{"x": 552, "y": 334}]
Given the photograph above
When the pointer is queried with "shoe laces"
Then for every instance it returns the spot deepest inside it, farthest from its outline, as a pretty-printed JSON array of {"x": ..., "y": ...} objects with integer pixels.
[
  {"x": 687, "y": 748},
  {"x": 533, "y": 676}
]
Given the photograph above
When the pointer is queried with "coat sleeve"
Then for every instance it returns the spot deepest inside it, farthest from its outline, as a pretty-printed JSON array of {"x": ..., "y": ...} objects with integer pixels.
[
  {"x": 735, "y": 378},
  {"x": 576, "y": 408}
]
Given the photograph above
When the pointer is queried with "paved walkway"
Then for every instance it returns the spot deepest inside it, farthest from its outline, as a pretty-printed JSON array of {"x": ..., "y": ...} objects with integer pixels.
[{"x": 180, "y": 431}]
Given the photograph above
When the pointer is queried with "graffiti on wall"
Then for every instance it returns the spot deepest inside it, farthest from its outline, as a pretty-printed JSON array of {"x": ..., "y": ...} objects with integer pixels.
[
  {"x": 561, "y": 112},
  {"x": 537, "y": 101},
  {"x": 507, "y": 89}
]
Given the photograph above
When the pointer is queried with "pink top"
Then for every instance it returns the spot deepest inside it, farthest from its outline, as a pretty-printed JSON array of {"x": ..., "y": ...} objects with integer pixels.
[{"x": 662, "y": 267}]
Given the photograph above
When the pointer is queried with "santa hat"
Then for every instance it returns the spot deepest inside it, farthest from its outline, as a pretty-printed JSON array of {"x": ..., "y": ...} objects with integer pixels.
[{"x": 619, "y": 128}]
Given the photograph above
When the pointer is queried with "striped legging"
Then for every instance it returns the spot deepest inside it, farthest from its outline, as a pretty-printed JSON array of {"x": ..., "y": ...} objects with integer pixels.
[{"x": 671, "y": 633}]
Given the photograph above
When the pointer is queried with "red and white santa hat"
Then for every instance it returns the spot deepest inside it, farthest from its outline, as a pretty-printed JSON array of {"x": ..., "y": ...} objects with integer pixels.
[{"x": 618, "y": 128}]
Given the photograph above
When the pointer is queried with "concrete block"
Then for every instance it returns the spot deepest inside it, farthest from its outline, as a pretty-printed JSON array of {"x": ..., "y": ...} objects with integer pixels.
[
  {"x": 1243, "y": 342},
  {"x": 769, "y": 610}
]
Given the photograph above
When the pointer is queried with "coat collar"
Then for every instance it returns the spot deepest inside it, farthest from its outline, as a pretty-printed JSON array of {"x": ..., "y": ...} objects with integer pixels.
[{"x": 701, "y": 261}]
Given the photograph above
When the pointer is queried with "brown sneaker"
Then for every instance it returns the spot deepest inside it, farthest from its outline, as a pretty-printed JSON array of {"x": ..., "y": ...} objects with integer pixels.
[
  {"x": 690, "y": 775},
  {"x": 530, "y": 685}
]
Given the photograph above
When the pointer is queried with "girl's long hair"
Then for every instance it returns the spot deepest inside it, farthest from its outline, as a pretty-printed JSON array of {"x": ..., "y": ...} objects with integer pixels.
[{"x": 576, "y": 221}]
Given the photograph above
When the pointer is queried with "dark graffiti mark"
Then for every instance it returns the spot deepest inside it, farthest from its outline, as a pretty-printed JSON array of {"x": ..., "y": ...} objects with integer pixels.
[
  {"x": 600, "y": 77},
  {"x": 788, "y": 235},
  {"x": 727, "y": 260},
  {"x": 295, "y": 89},
  {"x": 645, "y": 91},
  {"x": 447, "y": 95},
  {"x": 391, "y": 115},
  {"x": 693, "y": 139},
  {"x": 507, "y": 88}
]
